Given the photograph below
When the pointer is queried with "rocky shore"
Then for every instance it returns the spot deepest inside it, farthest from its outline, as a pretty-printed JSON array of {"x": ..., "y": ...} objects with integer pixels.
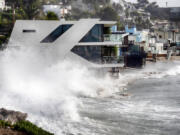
[
  {"x": 12, "y": 116},
  {"x": 15, "y": 123}
]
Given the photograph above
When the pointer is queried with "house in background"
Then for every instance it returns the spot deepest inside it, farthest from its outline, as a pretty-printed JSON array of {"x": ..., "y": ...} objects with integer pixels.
[
  {"x": 156, "y": 48},
  {"x": 2, "y": 5},
  {"x": 140, "y": 38},
  {"x": 60, "y": 9},
  {"x": 52, "y": 8},
  {"x": 144, "y": 15}
]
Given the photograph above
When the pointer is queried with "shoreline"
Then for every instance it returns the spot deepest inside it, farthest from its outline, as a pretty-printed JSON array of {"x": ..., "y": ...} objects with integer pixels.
[{"x": 173, "y": 58}]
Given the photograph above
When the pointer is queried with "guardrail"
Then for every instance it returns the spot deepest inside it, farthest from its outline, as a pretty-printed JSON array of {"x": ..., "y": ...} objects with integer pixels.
[
  {"x": 112, "y": 59},
  {"x": 113, "y": 37}
]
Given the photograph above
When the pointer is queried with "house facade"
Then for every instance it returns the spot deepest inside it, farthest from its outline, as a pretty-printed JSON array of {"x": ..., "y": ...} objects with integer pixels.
[
  {"x": 140, "y": 38},
  {"x": 88, "y": 41}
]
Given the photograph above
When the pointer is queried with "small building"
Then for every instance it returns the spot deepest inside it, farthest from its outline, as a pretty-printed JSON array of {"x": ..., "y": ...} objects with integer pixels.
[
  {"x": 167, "y": 35},
  {"x": 144, "y": 15},
  {"x": 178, "y": 37},
  {"x": 4, "y": 6},
  {"x": 60, "y": 10},
  {"x": 79, "y": 4},
  {"x": 158, "y": 49},
  {"x": 138, "y": 37}
]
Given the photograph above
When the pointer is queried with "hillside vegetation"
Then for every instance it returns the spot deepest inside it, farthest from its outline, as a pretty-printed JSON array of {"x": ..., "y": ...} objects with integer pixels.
[{"x": 22, "y": 127}]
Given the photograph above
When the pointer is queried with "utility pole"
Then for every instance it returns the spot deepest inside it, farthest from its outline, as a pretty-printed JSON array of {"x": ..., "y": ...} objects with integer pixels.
[
  {"x": 13, "y": 13},
  {"x": 166, "y": 4}
]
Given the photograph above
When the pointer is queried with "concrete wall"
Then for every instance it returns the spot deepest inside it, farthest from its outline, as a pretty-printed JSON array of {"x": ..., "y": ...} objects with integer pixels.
[{"x": 178, "y": 38}]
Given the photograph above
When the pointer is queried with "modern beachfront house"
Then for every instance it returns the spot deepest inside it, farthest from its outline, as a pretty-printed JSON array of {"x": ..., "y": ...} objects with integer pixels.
[{"x": 88, "y": 41}]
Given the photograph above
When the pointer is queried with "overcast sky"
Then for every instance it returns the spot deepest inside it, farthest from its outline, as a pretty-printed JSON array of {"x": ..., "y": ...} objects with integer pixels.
[{"x": 162, "y": 3}]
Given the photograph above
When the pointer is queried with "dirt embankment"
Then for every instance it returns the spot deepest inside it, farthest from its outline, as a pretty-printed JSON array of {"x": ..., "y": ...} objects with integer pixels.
[{"x": 4, "y": 131}]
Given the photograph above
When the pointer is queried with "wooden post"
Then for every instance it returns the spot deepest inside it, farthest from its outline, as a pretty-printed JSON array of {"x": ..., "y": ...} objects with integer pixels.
[{"x": 13, "y": 13}]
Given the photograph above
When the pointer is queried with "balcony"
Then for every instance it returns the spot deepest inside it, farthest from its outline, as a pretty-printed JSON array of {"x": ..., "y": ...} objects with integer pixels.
[
  {"x": 112, "y": 59},
  {"x": 113, "y": 38}
]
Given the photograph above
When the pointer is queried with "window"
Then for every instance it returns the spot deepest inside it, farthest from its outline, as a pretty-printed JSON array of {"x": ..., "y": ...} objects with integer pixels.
[
  {"x": 56, "y": 33},
  {"x": 28, "y": 31},
  {"x": 91, "y": 53},
  {"x": 94, "y": 35},
  {"x": 99, "y": 54}
]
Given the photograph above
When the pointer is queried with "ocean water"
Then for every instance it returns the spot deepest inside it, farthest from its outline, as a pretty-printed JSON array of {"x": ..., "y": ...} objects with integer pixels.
[
  {"x": 152, "y": 108},
  {"x": 66, "y": 98}
]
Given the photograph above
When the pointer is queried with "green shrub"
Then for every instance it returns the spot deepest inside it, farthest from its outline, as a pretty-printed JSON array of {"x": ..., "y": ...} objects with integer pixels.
[
  {"x": 29, "y": 128},
  {"x": 51, "y": 16},
  {"x": 25, "y": 127},
  {"x": 4, "y": 124}
]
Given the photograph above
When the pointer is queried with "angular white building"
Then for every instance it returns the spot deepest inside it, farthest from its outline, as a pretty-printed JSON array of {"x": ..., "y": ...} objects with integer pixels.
[{"x": 88, "y": 41}]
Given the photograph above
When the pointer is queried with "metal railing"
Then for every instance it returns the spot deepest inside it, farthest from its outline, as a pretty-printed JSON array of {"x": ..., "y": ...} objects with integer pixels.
[
  {"x": 113, "y": 37},
  {"x": 112, "y": 59}
]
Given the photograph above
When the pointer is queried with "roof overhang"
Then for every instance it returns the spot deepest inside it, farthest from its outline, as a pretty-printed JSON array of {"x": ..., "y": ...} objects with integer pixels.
[
  {"x": 107, "y": 23},
  {"x": 101, "y": 44},
  {"x": 98, "y": 21}
]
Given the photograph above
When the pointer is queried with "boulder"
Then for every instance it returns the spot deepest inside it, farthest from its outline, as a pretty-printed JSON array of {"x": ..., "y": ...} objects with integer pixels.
[{"x": 12, "y": 116}]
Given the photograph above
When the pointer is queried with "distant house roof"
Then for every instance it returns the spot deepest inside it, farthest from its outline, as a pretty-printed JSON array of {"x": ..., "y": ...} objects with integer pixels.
[{"x": 175, "y": 9}]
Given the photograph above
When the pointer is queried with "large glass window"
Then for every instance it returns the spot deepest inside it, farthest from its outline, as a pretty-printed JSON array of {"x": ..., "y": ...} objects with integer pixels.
[
  {"x": 94, "y": 35},
  {"x": 56, "y": 33},
  {"x": 91, "y": 53},
  {"x": 98, "y": 54}
]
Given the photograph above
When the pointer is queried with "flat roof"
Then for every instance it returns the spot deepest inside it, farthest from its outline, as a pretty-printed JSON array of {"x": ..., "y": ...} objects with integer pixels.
[
  {"x": 106, "y": 43},
  {"x": 98, "y": 21}
]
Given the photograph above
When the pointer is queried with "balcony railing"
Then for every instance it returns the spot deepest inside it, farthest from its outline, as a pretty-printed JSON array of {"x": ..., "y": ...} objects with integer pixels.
[
  {"x": 113, "y": 37},
  {"x": 112, "y": 59}
]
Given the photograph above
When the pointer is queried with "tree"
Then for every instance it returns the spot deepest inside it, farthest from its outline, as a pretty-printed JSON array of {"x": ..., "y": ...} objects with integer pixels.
[
  {"x": 51, "y": 16},
  {"x": 31, "y": 7},
  {"x": 108, "y": 13},
  {"x": 127, "y": 12}
]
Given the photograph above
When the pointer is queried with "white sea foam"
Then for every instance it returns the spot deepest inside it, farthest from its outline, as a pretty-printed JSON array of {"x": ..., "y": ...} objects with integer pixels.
[
  {"x": 152, "y": 70},
  {"x": 48, "y": 89}
]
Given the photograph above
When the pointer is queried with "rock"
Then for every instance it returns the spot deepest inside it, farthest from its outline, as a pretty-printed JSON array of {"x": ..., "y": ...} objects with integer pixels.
[
  {"x": 12, "y": 116},
  {"x": 124, "y": 94}
]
